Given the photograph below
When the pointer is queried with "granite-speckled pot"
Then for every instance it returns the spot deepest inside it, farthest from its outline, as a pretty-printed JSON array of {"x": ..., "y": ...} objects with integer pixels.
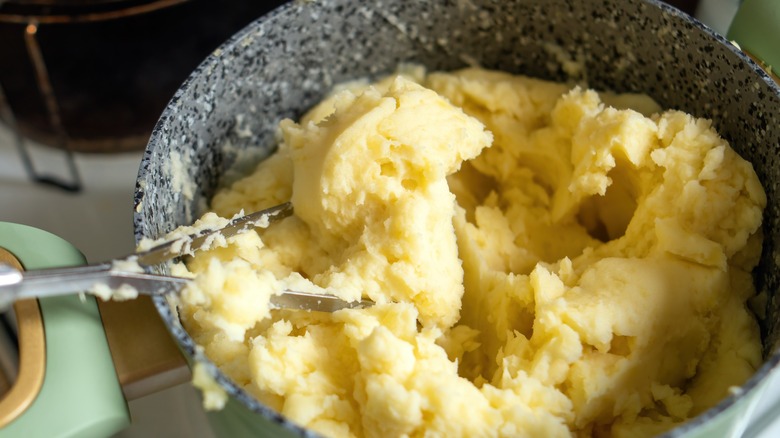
[{"x": 223, "y": 119}]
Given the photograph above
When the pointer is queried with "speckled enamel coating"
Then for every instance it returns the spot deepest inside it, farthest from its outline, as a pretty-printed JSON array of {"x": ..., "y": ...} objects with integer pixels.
[{"x": 223, "y": 119}]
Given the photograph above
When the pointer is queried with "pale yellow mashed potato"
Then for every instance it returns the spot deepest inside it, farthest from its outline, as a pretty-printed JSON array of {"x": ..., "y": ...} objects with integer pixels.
[{"x": 543, "y": 263}]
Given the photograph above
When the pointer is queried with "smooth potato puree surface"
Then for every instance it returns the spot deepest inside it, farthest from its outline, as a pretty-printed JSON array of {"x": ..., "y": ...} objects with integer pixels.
[{"x": 543, "y": 263}]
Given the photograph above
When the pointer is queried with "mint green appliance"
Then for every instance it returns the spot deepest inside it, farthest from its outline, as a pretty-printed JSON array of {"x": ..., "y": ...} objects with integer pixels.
[{"x": 79, "y": 395}]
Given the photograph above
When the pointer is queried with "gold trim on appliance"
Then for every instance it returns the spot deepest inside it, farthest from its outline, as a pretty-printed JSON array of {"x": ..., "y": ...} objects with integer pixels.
[{"x": 32, "y": 354}]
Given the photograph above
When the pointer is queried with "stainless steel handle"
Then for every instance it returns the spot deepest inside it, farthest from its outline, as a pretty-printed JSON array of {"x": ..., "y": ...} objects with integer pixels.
[{"x": 17, "y": 285}]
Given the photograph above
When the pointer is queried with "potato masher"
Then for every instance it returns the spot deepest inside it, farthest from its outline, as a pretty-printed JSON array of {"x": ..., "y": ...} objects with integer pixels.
[{"x": 115, "y": 276}]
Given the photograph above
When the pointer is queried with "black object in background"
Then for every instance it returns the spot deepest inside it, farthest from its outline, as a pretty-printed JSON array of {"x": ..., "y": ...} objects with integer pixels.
[{"x": 111, "y": 78}]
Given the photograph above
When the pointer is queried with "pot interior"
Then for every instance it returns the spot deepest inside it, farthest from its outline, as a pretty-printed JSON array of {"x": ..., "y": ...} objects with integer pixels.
[{"x": 223, "y": 120}]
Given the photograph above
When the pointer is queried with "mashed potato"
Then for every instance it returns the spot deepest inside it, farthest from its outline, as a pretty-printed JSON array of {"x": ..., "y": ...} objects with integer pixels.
[{"x": 545, "y": 262}]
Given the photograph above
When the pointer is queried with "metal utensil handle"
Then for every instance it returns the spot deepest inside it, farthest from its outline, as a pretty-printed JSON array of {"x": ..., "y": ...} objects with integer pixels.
[
  {"x": 9, "y": 275},
  {"x": 17, "y": 285}
]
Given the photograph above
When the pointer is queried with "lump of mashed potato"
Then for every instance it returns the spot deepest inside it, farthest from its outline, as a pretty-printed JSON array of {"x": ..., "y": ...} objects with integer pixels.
[{"x": 546, "y": 261}]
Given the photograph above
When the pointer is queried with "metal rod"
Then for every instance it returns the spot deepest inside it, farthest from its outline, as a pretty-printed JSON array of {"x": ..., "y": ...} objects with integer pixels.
[
  {"x": 53, "y": 112},
  {"x": 7, "y": 114},
  {"x": 88, "y": 17}
]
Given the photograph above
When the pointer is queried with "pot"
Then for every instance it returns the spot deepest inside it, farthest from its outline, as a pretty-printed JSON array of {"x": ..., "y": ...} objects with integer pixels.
[{"x": 223, "y": 120}]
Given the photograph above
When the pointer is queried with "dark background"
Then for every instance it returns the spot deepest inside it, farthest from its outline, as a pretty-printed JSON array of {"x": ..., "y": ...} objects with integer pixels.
[{"x": 112, "y": 78}]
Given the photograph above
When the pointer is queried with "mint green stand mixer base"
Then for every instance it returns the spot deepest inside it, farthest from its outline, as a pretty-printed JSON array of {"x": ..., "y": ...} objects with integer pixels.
[{"x": 81, "y": 395}]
